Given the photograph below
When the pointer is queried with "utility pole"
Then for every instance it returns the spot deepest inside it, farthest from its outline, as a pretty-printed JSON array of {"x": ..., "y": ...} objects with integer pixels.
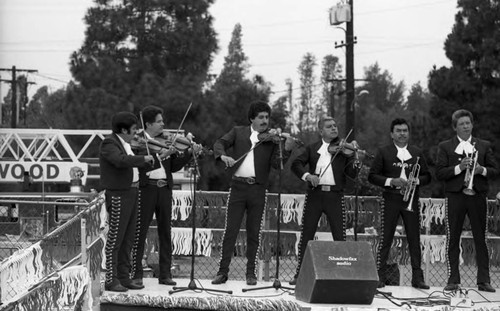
[
  {"x": 13, "y": 87},
  {"x": 349, "y": 72},
  {"x": 350, "y": 40}
]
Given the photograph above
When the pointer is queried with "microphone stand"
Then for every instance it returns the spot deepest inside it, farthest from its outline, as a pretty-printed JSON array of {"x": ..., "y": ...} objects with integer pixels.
[
  {"x": 357, "y": 166},
  {"x": 276, "y": 283},
  {"x": 192, "y": 284}
]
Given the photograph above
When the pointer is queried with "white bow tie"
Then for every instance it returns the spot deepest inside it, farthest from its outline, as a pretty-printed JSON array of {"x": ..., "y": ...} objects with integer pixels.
[
  {"x": 464, "y": 146},
  {"x": 323, "y": 150},
  {"x": 403, "y": 154}
]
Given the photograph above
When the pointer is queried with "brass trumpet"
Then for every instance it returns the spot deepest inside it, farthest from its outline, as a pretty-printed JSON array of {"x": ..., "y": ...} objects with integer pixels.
[
  {"x": 469, "y": 173},
  {"x": 408, "y": 191}
]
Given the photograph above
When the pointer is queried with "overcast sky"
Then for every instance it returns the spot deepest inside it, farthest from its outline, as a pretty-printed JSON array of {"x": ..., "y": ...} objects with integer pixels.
[{"x": 404, "y": 36}]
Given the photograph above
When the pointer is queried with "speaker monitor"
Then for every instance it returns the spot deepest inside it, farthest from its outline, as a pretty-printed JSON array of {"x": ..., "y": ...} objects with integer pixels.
[{"x": 337, "y": 272}]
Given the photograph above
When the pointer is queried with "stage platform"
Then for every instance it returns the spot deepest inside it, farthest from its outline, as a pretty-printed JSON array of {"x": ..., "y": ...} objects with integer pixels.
[{"x": 156, "y": 297}]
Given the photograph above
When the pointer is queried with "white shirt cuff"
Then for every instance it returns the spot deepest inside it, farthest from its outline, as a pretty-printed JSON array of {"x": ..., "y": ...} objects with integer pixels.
[
  {"x": 457, "y": 169},
  {"x": 388, "y": 182},
  {"x": 305, "y": 176}
]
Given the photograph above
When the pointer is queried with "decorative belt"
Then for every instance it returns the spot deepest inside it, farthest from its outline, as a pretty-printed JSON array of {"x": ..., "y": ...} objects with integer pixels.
[
  {"x": 160, "y": 183},
  {"x": 326, "y": 188},
  {"x": 134, "y": 185},
  {"x": 248, "y": 180}
]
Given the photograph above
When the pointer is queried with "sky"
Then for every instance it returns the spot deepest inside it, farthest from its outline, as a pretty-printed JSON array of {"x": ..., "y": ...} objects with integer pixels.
[{"x": 405, "y": 37}]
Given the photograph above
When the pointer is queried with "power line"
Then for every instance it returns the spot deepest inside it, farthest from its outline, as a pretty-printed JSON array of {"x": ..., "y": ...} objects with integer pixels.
[{"x": 51, "y": 78}]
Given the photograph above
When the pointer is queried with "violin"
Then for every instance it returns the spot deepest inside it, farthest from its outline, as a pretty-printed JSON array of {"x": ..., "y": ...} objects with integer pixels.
[
  {"x": 276, "y": 137},
  {"x": 140, "y": 143},
  {"x": 347, "y": 149}
]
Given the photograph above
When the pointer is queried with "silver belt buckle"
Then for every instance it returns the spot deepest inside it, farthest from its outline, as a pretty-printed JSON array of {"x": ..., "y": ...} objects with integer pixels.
[
  {"x": 250, "y": 180},
  {"x": 161, "y": 183},
  {"x": 326, "y": 188}
]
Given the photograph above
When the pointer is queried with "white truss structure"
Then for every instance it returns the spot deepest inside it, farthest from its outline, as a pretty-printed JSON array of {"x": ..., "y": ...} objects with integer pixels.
[{"x": 38, "y": 145}]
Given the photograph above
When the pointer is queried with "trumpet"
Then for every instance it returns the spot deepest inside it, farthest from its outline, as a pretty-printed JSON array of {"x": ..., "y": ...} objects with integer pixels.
[
  {"x": 408, "y": 191},
  {"x": 469, "y": 174}
]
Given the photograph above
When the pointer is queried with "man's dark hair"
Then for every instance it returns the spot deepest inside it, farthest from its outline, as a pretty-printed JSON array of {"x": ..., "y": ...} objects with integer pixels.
[
  {"x": 399, "y": 121},
  {"x": 256, "y": 108},
  {"x": 149, "y": 113},
  {"x": 123, "y": 120},
  {"x": 459, "y": 114}
]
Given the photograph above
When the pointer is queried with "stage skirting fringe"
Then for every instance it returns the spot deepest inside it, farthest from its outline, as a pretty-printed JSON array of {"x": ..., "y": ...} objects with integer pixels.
[
  {"x": 111, "y": 302},
  {"x": 208, "y": 240}
]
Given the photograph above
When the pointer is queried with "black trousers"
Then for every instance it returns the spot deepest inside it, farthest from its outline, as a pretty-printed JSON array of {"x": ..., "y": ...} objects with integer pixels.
[
  {"x": 252, "y": 199},
  {"x": 474, "y": 206},
  {"x": 394, "y": 206},
  {"x": 158, "y": 201},
  {"x": 318, "y": 202},
  {"x": 122, "y": 209}
]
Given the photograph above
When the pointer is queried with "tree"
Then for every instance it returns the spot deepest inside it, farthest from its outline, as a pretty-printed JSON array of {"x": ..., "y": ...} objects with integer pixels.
[
  {"x": 332, "y": 85},
  {"x": 473, "y": 80},
  {"x": 137, "y": 53},
  {"x": 309, "y": 108},
  {"x": 227, "y": 102},
  {"x": 375, "y": 111}
]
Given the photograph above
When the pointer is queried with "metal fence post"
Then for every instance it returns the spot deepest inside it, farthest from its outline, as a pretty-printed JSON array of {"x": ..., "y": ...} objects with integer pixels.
[{"x": 83, "y": 238}]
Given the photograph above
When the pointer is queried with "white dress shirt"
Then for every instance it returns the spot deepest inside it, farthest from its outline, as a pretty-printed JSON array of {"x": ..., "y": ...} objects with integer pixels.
[
  {"x": 158, "y": 173},
  {"x": 325, "y": 157},
  {"x": 129, "y": 151},
  {"x": 247, "y": 167}
]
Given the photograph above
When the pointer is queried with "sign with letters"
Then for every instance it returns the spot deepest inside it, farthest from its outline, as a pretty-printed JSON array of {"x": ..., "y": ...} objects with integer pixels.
[{"x": 13, "y": 171}]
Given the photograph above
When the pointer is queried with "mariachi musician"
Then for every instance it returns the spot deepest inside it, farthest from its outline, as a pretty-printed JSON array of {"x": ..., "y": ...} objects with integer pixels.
[
  {"x": 328, "y": 164},
  {"x": 249, "y": 160},
  {"x": 400, "y": 168},
  {"x": 120, "y": 179},
  {"x": 155, "y": 196},
  {"x": 465, "y": 164}
]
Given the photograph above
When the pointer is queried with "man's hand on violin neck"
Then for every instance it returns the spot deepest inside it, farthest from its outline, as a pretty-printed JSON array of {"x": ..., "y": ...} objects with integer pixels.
[{"x": 197, "y": 148}]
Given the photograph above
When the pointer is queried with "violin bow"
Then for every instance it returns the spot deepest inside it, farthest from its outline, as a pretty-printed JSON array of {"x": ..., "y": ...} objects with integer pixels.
[
  {"x": 334, "y": 156},
  {"x": 182, "y": 122},
  {"x": 144, "y": 129}
]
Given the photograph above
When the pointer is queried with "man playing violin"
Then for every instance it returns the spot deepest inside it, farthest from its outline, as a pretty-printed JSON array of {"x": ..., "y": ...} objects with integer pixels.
[
  {"x": 155, "y": 196},
  {"x": 249, "y": 164},
  {"x": 326, "y": 180},
  {"x": 455, "y": 161},
  {"x": 391, "y": 169},
  {"x": 120, "y": 179}
]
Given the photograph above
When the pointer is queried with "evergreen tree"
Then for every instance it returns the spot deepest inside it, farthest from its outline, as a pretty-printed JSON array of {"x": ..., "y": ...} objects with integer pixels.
[
  {"x": 138, "y": 53},
  {"x": 309, "y": 107},
  {"x": 330, "y": 75},
  {"x": 473, "y": 80}
]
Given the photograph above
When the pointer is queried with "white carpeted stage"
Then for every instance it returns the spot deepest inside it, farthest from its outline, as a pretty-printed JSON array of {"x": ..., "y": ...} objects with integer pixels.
[{"x": 157, "y": 297}]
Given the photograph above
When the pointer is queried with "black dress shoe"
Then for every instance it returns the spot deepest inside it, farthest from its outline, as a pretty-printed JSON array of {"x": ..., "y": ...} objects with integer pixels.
[
  {"x": 167, "y": 281},
  {"x": 451, "y": 286},
  {"x": 251, "y": 280},
  {"x": 380, "y": 284},
  {"x": 486, "y": 287},
  {"x": 420, "y": 284},
  {"x": 137, "y": 282},
  {"x": 220, "y": 279},
  {"x": 116, "y": 288},
  {"x": 293, "y": 282},
  {"x": 133, "y": 285}
]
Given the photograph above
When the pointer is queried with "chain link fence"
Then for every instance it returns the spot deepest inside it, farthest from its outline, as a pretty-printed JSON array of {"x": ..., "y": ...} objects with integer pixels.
[
  {"x": 44, "y": 239},
  {"x": 210, "y": 217}
]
